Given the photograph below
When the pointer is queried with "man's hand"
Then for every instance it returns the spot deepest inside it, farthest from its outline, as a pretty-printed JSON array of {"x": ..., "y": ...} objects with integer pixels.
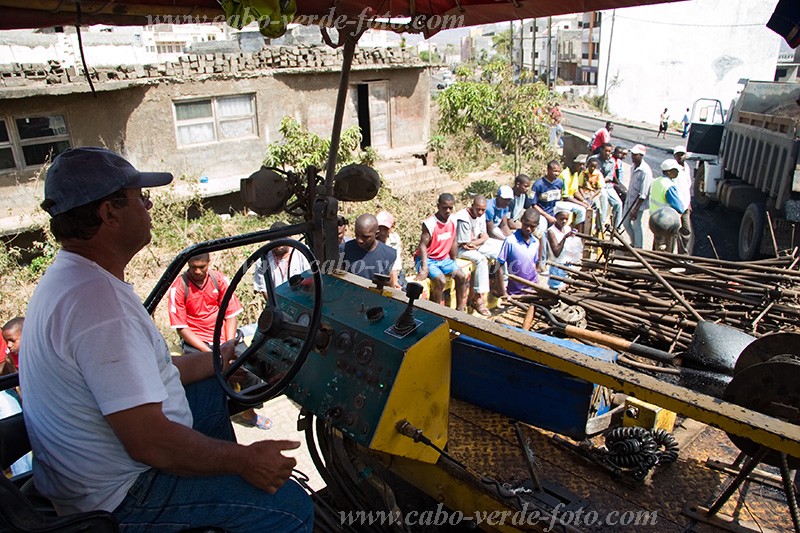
[
  {"x": 634, "y": 215},
  {"x": 550, "y": 219},
  {"x": 267, "y": 468},
  {"x": 228, "y": 358},
  {"x": 423, "y": 274},
  {"x": 469, "y": 246}
]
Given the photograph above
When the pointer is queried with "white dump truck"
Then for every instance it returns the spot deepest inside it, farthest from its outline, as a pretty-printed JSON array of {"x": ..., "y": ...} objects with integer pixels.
[{"x": 747, "y": 160}]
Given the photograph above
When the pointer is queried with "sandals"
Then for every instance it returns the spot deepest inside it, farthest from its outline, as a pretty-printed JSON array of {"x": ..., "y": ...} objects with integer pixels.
[
  {"x": 260, "y": 421},
  {"x": 480, "y": 308}
]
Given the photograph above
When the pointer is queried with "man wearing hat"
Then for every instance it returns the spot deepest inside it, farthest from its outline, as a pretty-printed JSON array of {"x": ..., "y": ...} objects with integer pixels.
[
  {"x": 498, "y": 212},
  {"x": 664, "y": 193},
  {"x": 638, "y": 193},
  {"x": 684, "y": 184},
  {"x": 392, "y": 240},
  {"x": 115, "y": 423}
]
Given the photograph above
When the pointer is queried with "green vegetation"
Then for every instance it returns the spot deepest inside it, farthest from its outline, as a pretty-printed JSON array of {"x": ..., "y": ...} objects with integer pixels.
[
  {"x": 497, "y": 110},
  {"x": 300, "y": 148},
  {"x": 485, "y": 187}
]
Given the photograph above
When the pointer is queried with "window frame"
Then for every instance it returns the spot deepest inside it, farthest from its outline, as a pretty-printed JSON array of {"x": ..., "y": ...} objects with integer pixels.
[
  {"x": 16, "y": 143},
  {"x": 216, "y": 119}
]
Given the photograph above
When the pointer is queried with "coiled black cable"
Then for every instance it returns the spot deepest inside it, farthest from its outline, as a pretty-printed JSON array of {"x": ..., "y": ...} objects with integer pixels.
[{"x": 637, "y": 450}]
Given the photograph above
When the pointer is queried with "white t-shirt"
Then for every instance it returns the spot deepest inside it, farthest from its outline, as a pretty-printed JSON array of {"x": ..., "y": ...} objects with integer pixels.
[
  {"x": 394, "y": 242},
  {"x": 684, "y": 185},
  {"x": 296, "y": 264},
  {"x": 468, "y": 228},
  {"x": 90, "y": 349}
]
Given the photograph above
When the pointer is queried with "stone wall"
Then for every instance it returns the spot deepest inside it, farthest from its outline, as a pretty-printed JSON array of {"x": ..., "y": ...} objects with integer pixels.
[{"x": 203, "y": 65}]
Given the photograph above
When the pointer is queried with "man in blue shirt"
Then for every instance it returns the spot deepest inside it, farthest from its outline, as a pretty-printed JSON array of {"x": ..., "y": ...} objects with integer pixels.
[
  {"x": 520, "y": 253},
  {"x": 547, "y": 191},
  {"x": 365, "y": 255},
  {"x": 498, "y": 211}
]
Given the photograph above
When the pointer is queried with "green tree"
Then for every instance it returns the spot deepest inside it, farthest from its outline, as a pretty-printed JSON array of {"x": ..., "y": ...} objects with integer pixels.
[
  {"x": 300, "y": 148},
  {"x": 501, "y": 42},
  {"x": 510, "y": 114}
]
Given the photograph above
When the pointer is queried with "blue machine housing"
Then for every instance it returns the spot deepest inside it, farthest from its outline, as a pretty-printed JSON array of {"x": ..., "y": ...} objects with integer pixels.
[{"x": 503, "y": 382}]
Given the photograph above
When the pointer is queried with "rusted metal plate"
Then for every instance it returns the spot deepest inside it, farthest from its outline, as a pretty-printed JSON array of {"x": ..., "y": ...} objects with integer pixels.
[{"x": 486, "y": 443}]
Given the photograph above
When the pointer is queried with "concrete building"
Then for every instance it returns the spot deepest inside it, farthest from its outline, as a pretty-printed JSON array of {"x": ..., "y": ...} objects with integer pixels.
[
  {"x": 204, "y": 115},
  {"x": 788, "y": 68},
  {"x": 682, "y": 52}
]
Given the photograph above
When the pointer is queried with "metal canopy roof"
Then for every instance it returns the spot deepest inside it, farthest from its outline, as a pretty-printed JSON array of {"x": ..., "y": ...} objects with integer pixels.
[{"x": 435, "y": 14}]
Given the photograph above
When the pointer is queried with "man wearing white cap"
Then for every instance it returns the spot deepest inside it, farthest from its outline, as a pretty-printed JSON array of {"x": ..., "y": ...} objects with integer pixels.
[
  {"x": 498, "y": 212},
  {"x": 392, "y": 240},
  {"x": 684, "y": 184},
  {"x": 638, "y": 194},
  {"x": 664, "y": 193}
]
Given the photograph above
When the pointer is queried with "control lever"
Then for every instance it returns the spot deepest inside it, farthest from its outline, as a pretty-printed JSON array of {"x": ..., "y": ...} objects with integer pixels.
[
  {"x": 405, "y": 322},
  {"x": 380, "y": 281}
]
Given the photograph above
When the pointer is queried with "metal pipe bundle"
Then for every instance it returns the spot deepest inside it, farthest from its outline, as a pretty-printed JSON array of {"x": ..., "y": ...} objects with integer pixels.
[{"x": 636, "y": 298}]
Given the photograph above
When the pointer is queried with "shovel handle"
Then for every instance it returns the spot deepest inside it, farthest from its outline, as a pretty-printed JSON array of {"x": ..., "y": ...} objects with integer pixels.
[{"x": 620, "y": 344}]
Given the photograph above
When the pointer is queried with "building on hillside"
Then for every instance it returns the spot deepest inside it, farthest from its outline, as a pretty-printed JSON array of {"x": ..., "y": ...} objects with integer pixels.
[
  {"x": 681, "y": 52},
  {"x": 203, "y": 115},
  {"x": 788, "y": 68},
  {"x": 557, "y": 36}
]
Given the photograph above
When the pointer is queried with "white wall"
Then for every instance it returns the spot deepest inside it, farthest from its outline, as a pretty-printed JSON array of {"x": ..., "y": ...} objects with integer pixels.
[{"x": 684, "y": 51}]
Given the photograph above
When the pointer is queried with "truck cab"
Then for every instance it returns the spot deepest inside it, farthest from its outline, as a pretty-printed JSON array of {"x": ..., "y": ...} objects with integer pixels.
[{"x": 747, "y": 160}]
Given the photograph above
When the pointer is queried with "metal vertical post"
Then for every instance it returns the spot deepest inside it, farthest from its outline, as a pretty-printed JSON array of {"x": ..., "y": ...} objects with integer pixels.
[
  {"x": 608, "y": 61},
  {"x": 549, "y": 49},
  {"x": 533, "y": 49},
  {"x": 341, "y": 99}
]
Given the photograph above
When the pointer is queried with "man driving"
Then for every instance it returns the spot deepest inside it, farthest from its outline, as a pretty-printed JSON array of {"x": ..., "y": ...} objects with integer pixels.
[{"x": 115, "y": 423}]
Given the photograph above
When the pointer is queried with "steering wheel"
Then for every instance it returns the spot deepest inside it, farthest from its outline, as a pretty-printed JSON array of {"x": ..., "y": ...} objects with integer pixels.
[{"x": 272, "y": 324}]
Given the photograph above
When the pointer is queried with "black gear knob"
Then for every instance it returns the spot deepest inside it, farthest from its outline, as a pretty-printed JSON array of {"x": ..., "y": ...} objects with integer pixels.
[
  {"x": 406, "y": 323},
  {"x": 413, "y": 291}
]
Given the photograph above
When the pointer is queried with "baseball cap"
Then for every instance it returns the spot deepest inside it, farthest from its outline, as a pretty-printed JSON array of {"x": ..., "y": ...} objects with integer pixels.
[
  {"x": 505, "y": 192},
  {"x": 580, "y": 158},
  {"x": 385, "y": 218},
  {"x": 680, "y": 149},
  {"x": 639, "y": 149},
  {"x": 670, "y": 164},
  {"x": 79, "y": 176}
]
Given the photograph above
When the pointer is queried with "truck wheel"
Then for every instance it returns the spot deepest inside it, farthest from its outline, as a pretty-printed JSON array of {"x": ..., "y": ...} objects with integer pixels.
[
  {"x": 699, "y": 198},
  {"x": 751, "y": 230}
]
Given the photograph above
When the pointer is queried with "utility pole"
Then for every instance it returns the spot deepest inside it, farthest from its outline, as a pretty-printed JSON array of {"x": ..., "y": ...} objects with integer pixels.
[
  {"x": 533, "y": 50},
  {"x": 511, "y": 44},
  {"x": 549, "y": 49},
  {"x": 608, "y": 61}
]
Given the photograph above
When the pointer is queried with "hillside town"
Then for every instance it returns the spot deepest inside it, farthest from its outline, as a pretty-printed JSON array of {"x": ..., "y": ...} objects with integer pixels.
[{"x": 400, "y": 267}]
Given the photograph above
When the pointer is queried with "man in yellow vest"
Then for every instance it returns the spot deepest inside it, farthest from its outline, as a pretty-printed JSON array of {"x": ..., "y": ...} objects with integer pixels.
[{"x": 664, "y": 193}]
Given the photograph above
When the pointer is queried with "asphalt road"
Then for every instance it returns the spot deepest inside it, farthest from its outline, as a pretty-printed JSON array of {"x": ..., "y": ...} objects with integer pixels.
[{"x": 718, "y": 223}]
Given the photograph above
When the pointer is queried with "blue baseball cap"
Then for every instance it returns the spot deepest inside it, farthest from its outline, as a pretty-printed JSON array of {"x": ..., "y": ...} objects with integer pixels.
[{"x": 79, "y": 176}]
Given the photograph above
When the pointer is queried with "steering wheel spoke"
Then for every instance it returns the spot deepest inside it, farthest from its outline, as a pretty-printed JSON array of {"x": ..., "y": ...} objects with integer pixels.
[{"x": 269, "y": 282}]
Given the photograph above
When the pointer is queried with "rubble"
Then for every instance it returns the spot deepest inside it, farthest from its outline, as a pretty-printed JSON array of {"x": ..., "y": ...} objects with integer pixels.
[{"x": 194, "y": 65}]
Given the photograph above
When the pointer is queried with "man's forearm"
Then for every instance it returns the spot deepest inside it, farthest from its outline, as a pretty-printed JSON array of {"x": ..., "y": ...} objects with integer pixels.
[
  {"x": 183, "y": 451},
  {"x": 194, "y": 367},
  {"x": 230, "y": 327},
  {"x": 191, "y": 338}
]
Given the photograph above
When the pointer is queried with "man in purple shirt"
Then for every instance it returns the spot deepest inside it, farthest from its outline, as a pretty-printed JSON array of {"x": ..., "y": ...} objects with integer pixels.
[{"x": 520, "y": 252}]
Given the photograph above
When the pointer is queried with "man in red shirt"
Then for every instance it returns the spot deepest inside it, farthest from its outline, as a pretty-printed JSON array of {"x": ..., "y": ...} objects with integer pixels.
[
  {"x": 436, "y": 254},
  {"x": 194, "y": 300},
  {"x": 601, "y": 137}
]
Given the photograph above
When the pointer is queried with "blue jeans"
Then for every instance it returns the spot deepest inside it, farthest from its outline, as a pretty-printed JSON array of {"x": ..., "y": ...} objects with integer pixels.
[{"x": 159, "y": 501}]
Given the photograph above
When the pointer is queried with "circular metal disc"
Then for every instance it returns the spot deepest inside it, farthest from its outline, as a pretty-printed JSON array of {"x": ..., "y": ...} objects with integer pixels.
[
  {"x": 757, "y": 387},
  {"x": 765, "y": 348}
]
